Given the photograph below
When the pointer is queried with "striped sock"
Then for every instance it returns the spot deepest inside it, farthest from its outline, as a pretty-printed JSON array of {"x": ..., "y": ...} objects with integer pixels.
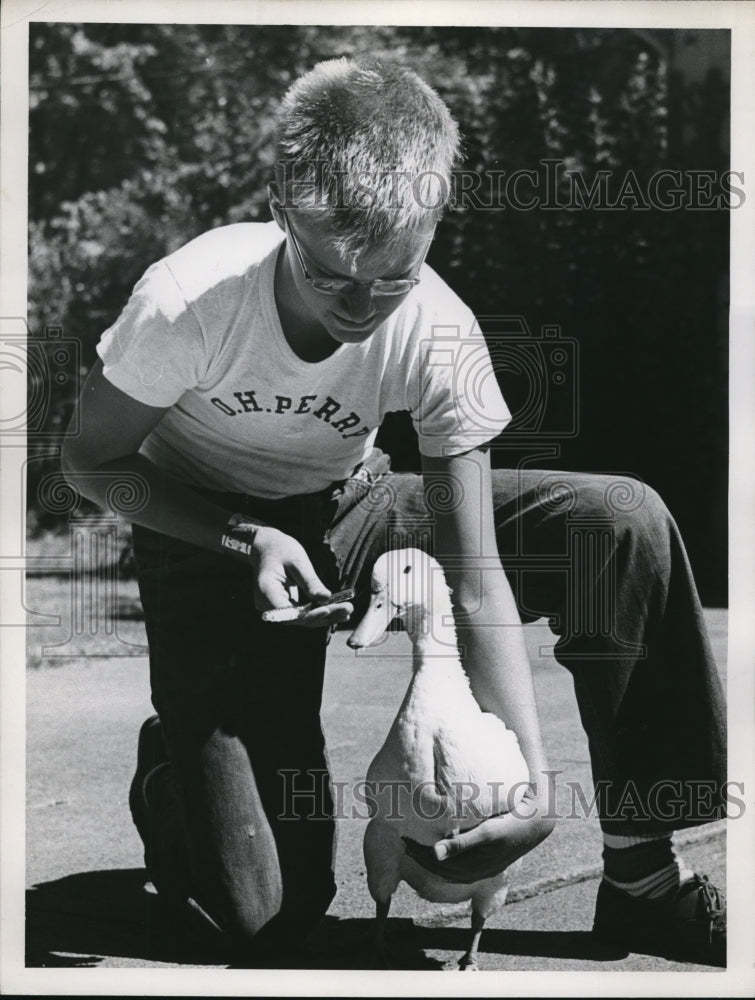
[{"x": 644, "y": 865}]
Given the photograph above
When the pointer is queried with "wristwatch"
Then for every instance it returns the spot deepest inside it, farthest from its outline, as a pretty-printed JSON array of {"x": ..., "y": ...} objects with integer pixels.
[{"x": 239, "y": 533}]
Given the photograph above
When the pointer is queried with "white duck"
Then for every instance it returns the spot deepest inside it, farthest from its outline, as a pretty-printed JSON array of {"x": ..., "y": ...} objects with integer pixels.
[{"x": 445, "y": 765}]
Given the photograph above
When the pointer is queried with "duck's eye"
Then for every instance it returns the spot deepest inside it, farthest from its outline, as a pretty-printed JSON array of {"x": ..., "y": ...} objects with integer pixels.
[{"x": 407, "y": 569}]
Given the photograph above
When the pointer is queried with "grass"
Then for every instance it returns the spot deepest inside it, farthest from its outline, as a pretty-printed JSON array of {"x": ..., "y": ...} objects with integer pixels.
[{"x": 85, "y": 617}]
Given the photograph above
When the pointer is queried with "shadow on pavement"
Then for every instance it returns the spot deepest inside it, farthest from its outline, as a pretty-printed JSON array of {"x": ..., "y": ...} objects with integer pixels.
[
  {"x": 78, "y": 920},
  {"x": 81, "y": 919},
  {"x": 103, "y": 913},
  {"x": 543, "y": 944},
  {"x": 406, "y": 939}
]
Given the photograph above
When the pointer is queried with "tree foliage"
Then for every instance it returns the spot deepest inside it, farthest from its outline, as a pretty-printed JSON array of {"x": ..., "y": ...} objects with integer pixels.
[{"x": 143, "y": 136}]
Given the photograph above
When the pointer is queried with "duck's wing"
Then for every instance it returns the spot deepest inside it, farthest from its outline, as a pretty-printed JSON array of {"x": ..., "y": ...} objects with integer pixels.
[{"x": 479, "y": 772}]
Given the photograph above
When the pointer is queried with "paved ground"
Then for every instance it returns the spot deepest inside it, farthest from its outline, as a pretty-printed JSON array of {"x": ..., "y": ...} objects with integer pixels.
[{"x": 87, "y": 905}]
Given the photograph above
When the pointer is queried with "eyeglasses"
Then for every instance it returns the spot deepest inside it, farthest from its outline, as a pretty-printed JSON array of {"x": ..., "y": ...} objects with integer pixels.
[{"x": 345, "y": 286}]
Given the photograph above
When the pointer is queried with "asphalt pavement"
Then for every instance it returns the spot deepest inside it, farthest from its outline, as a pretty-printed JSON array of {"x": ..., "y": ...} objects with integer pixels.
[{"x": 88, "y": 903}]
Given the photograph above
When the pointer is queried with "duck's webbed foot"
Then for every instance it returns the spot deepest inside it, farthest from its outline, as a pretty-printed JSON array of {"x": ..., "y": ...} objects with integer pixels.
[{"x": 468, "y": 963}]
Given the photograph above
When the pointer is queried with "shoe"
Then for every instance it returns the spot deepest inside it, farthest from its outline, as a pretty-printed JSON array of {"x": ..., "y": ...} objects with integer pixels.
[
  {"x": 151, "y": 753},
  {"x": 156, "y": 812},
  {"x": 688, "y": 926}
]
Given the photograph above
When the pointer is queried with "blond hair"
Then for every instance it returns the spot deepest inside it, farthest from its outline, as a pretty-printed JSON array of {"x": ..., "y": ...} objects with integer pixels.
[{"x": 369, "y": 145}]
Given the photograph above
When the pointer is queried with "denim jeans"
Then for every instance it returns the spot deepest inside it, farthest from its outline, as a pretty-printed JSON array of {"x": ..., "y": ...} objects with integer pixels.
[{"x": 600, "y": 557}]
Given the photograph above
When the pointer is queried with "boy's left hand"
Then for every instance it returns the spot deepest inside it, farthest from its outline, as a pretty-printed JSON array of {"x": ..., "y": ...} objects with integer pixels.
[{"x": 488, "y": 848}]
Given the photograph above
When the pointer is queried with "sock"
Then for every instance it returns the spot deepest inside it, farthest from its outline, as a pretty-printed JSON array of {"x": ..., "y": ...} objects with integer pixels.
[{"x": 643, "y": 865}]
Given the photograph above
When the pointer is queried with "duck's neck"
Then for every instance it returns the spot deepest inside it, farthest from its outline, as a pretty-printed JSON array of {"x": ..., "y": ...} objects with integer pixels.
[{"x": 432, "y": 633}]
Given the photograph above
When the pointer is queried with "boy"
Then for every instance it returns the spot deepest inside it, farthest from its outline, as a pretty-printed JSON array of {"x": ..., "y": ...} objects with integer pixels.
[{"x": 244, "y": 383}]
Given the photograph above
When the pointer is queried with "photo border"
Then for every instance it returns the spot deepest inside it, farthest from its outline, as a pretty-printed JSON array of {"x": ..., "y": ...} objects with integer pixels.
[{"x": 738, "y": 979}]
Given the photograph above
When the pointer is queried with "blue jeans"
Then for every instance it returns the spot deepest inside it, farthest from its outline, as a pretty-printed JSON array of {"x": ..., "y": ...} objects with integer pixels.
[{"x": 239, "y": 700}]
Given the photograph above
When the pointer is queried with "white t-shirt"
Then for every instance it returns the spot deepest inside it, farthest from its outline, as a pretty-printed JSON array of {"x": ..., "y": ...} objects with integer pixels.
[{"x": 201, "y": 335}]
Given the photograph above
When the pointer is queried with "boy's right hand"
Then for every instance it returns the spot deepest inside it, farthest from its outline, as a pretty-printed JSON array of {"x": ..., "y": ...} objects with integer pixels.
[{"x": 285, "y": 578}]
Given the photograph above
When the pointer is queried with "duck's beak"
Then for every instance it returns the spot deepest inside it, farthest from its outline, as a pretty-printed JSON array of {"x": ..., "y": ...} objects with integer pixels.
[{"x": 376, "y": 620}]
